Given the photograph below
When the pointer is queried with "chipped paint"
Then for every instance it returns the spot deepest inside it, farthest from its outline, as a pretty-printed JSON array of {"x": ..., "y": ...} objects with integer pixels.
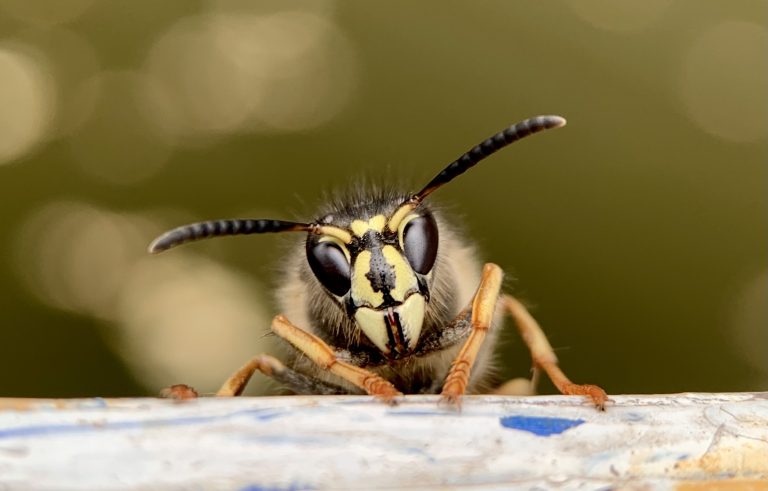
[
  {"x": 722, "y": 485},
  {"x": 747, "y": 458}
]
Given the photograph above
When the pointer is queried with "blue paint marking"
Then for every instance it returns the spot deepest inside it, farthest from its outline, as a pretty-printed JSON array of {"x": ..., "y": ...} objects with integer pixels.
[
  {"x": 538, "y": 425},
  {"x": 57, "y": 429}
]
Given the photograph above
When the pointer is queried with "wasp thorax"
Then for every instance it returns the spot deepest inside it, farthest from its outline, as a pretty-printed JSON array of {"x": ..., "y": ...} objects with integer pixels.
[{"x": 380, "y": 276}]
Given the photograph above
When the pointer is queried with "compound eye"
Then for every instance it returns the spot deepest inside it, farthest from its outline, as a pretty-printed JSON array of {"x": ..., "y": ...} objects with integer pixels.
[
  {"x": 419, "y": 242},
  {"x": 330, "y": 265}
]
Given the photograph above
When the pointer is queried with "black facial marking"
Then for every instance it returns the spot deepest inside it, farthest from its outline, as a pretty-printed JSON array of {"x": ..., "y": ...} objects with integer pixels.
[
  {"x": 423, "y": 287},
  {"x": 390, "y": 333},
  {"x": 381, "y": 274}
]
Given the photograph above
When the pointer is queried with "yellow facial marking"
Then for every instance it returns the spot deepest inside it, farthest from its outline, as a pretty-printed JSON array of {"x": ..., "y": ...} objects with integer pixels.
[
  {"x": 373, "y": 325},
  {"x": 337, "y": 232},
  {"x": 362, "y": 293},
  {"x": 360, "y": 227},
  {"x": 400, "y": 214},
  {"x": 405, "y": 280},
  {"x": 412, "y": 318}
]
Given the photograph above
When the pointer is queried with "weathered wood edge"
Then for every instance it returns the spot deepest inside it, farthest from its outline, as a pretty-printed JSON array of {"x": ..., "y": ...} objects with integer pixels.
[{"x": 355, "y": 442}]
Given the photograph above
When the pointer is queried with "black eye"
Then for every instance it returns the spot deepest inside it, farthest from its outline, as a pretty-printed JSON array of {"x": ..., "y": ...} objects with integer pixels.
[
  {"x": 420, "y": 243},
  {"x": 330, "y": 266}
]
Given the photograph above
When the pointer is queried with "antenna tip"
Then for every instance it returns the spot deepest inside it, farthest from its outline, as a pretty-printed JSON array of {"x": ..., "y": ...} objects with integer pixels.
[
  {"x": 556, "y": 121},
  {"x": 153, "y": 248},
  {"x": 159, "y": 245}
]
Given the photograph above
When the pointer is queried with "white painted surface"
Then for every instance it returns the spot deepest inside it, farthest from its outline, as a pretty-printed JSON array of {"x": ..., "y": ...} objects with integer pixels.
[{"x": 293, "y": 443}]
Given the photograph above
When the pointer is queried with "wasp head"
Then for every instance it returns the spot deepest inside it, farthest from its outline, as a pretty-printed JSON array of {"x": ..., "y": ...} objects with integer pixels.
[{"x": 378, "y": 270}]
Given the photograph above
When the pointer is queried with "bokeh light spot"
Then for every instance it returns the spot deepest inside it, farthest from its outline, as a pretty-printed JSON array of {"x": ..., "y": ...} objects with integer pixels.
[
  {"x": 71, "y": 60},
  {"x": 27, "y": 101},
  {"x": 186, "y": 319},
  {"x": 325, "y": 7},
  {"x": 45, "y": 12},
  {"x": 74, "y": 256},
  {"x": 749, "y": 325},
  {"x": 312, "y": 76},
  {"x": 724, "y": 79},
  {"x": 173, "y": 318},
  {"x": 119, "y": 142},
  {"x": 224, "y": 73}
]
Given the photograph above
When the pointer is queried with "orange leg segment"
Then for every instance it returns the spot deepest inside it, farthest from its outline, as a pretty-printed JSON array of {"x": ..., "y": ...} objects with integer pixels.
[
  {"x": 323, "y": 356},
  {"x": 544, "y": 356},
  {"x": 236, "y": 382},
  {"x": 483, "y": 306}
]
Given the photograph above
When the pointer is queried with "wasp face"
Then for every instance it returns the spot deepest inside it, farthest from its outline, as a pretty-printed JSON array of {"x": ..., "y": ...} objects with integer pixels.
[
  {"x": 373, "y": 255},
  {"x": 380, "y": 276}
]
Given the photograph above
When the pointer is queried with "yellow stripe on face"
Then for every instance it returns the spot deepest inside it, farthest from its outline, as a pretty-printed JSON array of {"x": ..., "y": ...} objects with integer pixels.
[
  {"x": 373, "y": 325},
  {"x": 400, "y": 214},
  {"x": 362, "y": 292},
  {"x": 405, "y": 280},
  {"x": 360, "y": 227},
  {"x": 337, "y": 232}
]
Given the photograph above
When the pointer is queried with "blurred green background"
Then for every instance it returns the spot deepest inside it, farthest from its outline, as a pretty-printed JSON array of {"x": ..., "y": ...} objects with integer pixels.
[{"x": 638, "y": 233}]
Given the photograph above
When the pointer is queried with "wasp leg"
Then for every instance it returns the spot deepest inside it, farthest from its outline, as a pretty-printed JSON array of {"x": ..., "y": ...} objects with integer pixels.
[
  {"x": 179, "y": 392},
  {"x": 324, "y": 357},
  {"x": 483, "y": 306},
  {"x": 272, "y": 367},
  {"x": 544, "y": 356}
]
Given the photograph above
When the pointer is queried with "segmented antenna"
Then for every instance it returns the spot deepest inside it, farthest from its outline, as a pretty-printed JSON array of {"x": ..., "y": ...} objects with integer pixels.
[
  {"x": 488, "y": 147},
  {"x": 473, "y": 156},
  {"x": 218, "y": 228}
]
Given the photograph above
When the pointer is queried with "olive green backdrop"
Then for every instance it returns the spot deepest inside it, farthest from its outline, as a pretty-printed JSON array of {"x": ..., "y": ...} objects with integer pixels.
[{"x": 637, "y": 233}]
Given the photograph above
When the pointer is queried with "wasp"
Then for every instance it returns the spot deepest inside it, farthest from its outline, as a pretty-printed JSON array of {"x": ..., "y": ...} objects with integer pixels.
[{"x": 382, "y": 296}]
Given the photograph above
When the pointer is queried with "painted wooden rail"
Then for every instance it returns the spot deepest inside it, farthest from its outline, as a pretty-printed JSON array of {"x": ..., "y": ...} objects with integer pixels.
[{"x": 685, "y": 441}]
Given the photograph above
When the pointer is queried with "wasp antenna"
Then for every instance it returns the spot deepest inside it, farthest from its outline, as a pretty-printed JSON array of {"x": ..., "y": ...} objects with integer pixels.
[
  {"x": 473, "y": 156},
  {"x": 491, "y": 145},
  {"x": 219, "y": 228}
]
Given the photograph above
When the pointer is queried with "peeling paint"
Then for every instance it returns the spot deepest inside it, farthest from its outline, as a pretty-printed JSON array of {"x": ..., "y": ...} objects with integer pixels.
[
  {"x": 747, "y": 459},
  {"x": 734, "y": 485}
]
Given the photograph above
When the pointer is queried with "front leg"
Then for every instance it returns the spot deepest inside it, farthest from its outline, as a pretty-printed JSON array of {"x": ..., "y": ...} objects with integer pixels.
[
  {"x": 324, "y": 357},
  {"x": 544, "y": 356},
  {"x": 270, "y": 366},
  {"x": 317, "y": 351},
  {"x": 483, "y": 305}
]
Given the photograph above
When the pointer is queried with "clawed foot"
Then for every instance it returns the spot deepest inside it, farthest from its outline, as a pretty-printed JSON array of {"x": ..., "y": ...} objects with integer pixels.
[
  {"x": 384, "y": 391},
  {"x": 450, "y": 401},
  {"x": 593, "y": 392},
  {"x": 179, "y": 392},
  {"x": 450, "y": 396}
]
